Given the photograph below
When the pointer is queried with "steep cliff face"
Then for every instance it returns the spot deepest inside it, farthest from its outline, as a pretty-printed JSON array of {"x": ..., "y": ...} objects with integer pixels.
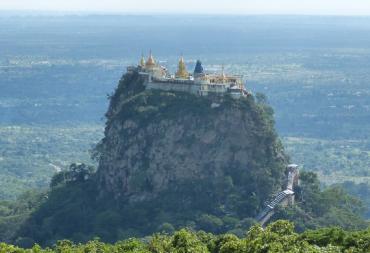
[{"x": 158, "y": 142}]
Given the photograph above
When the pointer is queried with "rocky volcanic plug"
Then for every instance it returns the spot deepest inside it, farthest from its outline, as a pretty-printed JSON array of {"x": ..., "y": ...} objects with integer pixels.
[{"x": 162, "y": 141}]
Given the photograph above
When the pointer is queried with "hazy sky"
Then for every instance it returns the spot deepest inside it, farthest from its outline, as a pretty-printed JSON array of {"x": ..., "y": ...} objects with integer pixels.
[{"x": 332, "y": 7}]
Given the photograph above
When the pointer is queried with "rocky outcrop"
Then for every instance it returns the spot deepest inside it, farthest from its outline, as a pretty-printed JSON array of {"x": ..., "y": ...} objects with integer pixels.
[{"x": 156, "y": 141}]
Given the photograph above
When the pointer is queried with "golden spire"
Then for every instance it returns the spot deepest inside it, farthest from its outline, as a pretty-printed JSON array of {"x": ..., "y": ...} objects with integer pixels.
[
  {"x": 181, "y": 71},
  {"x": 150, "y": 62},
  {"x": 142, "y": 61}
]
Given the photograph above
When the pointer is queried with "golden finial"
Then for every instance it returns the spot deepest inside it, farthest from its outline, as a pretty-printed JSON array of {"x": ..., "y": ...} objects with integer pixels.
[{"x": 150, "y": 62}]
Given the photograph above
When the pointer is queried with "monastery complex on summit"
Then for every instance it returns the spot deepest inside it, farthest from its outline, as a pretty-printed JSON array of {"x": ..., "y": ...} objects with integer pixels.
[{"x": 198, "y": 82}]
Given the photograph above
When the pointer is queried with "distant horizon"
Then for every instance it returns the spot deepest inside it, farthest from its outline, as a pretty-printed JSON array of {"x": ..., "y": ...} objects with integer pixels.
[
  {"x": 31, "y": 12},
  {"x": 194, "y": 7}
]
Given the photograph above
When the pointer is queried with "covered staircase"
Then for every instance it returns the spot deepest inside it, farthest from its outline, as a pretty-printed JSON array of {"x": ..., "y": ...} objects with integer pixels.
[{"x": 283, "y": 198}]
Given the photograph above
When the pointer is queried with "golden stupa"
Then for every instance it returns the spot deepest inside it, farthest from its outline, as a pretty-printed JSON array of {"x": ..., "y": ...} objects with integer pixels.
[
  {"x": 150, "y": 62},
  {"x": 181, "y": 71},
  {"x": 142, "y": 61}
]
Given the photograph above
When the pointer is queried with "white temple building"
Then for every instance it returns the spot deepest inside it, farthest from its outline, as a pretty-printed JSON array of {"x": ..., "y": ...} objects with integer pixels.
[{"x": 199, "y": 83}]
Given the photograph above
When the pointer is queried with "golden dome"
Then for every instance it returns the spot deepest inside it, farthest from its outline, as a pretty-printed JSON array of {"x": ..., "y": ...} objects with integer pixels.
[
  {"x": 142, "y": 61},
  {"x": 150, "y": 62},
  {"x": 181, "y": 71}
]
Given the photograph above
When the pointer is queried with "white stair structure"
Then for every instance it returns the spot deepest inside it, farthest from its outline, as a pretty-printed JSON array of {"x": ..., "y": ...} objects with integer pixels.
[{"x": 283, "y": 198}]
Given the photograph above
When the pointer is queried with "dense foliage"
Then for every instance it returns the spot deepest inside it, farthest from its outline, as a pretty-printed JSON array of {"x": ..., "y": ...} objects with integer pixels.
[
  {"x": 14, "y": 213},
  {"x": 278, "y": 237},
  {"x": 361, "y": 191},
  {"x": 71, "y": 210}
]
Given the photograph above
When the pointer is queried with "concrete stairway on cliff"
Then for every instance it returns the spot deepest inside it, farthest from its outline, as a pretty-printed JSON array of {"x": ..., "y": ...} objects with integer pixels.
[{"x": 283, "y": 198}]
